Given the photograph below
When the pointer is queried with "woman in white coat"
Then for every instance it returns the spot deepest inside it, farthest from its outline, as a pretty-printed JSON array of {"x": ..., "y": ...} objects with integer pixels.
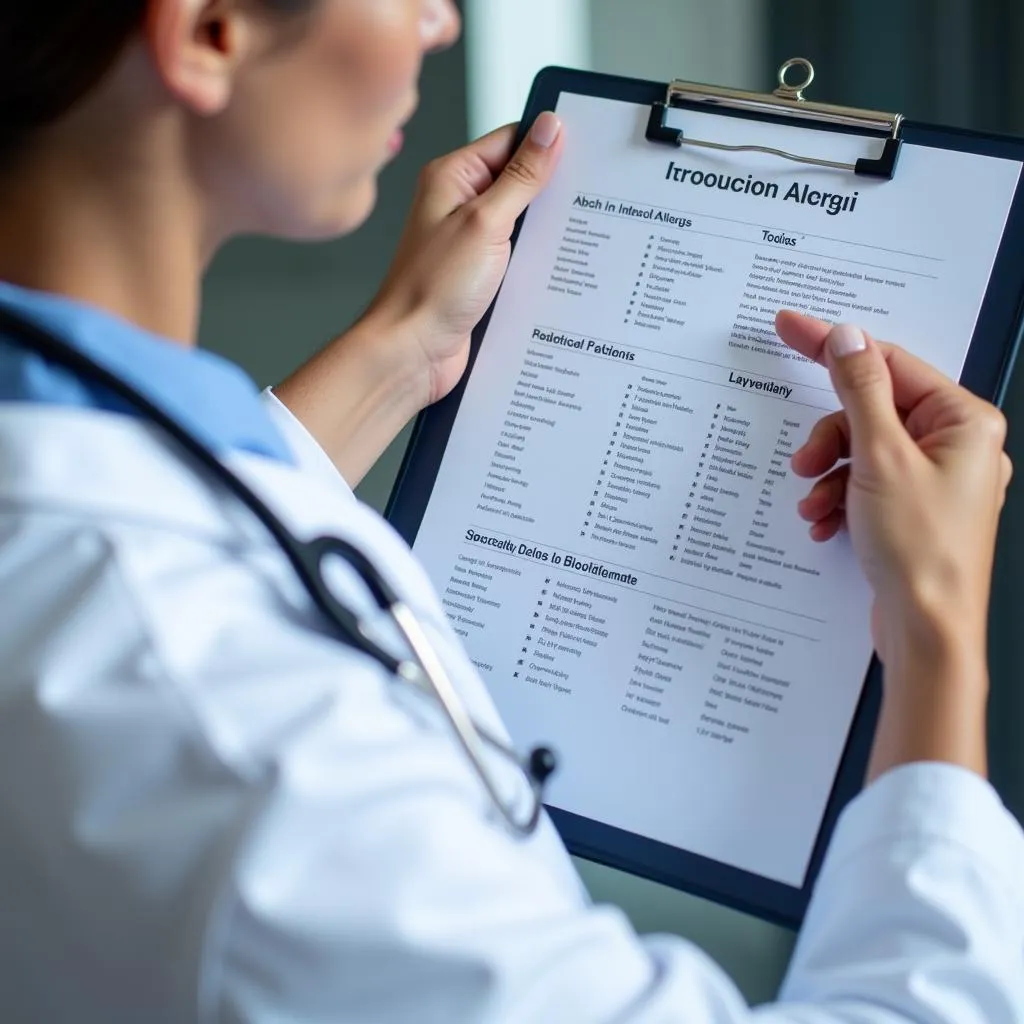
[{"x": 212, "y": 810}]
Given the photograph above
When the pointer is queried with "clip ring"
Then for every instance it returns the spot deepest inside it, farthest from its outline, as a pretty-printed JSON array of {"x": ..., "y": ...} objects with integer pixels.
[{"x": 795, "y": 90}]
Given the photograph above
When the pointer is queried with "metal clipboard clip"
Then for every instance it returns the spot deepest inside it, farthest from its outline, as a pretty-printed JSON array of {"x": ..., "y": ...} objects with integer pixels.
[{"x": 788, "y": 101}]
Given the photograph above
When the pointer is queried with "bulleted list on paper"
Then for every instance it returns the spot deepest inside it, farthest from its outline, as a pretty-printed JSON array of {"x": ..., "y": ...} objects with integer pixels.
[{"x": 613, "y": 529}]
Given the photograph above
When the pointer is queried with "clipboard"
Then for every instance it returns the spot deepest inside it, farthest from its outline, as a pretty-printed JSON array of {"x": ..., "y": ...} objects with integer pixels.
[{"x": 986, "y": 372}]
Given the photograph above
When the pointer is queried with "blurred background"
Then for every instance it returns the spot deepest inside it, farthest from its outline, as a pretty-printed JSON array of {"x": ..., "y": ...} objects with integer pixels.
[{"x": 270, "y": 305}]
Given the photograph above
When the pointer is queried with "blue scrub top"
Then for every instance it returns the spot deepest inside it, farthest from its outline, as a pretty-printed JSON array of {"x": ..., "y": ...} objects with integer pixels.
[{"x": 211, "y": 397}]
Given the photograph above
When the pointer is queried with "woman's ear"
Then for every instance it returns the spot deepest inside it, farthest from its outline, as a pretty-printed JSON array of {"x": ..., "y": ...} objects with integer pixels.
[{"x": 197, "y": 47}]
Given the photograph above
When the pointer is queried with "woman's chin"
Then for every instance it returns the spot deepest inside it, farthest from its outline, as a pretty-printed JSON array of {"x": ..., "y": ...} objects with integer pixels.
[
  {"x": 353, "y": 210},
  {"x": 333, "y": 218}
]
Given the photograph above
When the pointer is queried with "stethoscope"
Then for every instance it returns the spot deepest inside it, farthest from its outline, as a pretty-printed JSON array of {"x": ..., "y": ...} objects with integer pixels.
[{"x": 423, "y": 667}]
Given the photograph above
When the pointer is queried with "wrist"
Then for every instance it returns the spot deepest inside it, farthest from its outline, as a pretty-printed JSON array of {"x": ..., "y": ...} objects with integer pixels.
[
  {"x": 925, "y": 651},
  {"x": 396, "y": 372},
  {"x": 357, "y": 394},
  {"x": 934, "y": 697},
  {"x": 935, "y": 626}
]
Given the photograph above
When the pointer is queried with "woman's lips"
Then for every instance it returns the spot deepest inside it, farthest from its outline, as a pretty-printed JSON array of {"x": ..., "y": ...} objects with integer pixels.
[{"x": 397, "y": 140}]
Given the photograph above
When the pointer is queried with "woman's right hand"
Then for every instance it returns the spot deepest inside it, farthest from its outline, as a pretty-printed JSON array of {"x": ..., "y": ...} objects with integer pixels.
[{"x": 921, "y": 496}]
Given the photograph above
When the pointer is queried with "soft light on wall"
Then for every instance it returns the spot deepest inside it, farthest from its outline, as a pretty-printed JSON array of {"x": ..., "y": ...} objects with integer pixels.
[{"x": 508, "y": 42}]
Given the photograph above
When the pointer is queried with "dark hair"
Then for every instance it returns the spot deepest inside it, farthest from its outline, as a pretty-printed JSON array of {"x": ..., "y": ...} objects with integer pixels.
[{"x": 54, "y": 52}]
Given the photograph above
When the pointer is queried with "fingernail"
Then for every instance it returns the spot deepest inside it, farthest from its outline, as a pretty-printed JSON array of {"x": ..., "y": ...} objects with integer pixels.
[
  {"x": 845, "y": 340},
  {"x": 545, "y": 130}
]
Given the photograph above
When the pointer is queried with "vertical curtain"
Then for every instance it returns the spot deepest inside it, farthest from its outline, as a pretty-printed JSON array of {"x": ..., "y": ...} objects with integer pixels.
[{"x": 952, "y": 62}]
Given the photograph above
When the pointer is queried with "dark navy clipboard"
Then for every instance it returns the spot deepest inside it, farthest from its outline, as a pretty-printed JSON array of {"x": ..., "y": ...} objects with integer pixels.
[{"x": 986, "y": 372}]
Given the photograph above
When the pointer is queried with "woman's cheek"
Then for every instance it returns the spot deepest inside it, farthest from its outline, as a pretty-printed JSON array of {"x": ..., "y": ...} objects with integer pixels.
[{"x": 381, "y": 52}]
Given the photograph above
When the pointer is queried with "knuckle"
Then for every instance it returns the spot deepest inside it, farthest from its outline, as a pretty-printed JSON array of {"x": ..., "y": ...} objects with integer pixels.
[
  {"x": 833, "y": 486},
  {"x": 827, "y": 424},
  {"x": 823, "y": 434},
  {"x": 992, "y": 424},
  {"x": 985, "y": 425},
  {"x": 521, "y": 171},
  {"x": 835, "y": 427},
  {"x": 895, "y": 354},
  {"x": 432, "y": 171},
  {"x": 820, "y": 434},
  {"x": 479, "y": 218},
  {"x": 862, "y": 374}
]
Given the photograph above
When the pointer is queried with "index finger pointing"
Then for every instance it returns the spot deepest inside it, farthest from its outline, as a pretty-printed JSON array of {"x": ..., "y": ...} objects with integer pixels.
[{"x": 913, "y": 379}]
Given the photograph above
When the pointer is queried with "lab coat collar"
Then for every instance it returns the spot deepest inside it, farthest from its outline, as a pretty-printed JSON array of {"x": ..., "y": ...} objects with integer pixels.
[{"x": 92, "y": 463}]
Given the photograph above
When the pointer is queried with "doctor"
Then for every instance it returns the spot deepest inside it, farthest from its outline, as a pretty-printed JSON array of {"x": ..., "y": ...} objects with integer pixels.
[{"x": 211, "y": 809}]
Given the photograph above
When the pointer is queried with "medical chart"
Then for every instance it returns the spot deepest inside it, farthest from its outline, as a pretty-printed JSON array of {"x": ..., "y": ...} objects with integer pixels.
[{"x": 613, "y": 530}]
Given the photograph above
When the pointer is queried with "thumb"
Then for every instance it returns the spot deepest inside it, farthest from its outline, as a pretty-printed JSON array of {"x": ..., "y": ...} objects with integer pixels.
[
  {"x": 526, "y": 174},
  {"x": 863, "y": 382}
]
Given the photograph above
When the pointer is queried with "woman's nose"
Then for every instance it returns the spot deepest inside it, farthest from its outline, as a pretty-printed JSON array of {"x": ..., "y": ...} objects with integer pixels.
[{"x": 440, "y": 24}]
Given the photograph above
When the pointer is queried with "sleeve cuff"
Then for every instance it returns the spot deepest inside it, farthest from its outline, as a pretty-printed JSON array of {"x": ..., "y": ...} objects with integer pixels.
[
  {"x": 308, "y": 453},
  {"x": 936, "y": 803}
]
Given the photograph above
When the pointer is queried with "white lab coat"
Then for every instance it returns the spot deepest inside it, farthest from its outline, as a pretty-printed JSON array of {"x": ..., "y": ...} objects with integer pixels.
[{"x": 212, "y": 811}]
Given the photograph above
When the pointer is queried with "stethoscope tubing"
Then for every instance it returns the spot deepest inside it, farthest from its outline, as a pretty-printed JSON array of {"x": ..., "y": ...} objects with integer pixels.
[{"x": 308, "y": 559}]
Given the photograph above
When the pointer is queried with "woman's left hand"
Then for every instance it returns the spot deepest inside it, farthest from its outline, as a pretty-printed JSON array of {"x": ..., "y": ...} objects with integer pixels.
[{"x": 455, "y": 250}]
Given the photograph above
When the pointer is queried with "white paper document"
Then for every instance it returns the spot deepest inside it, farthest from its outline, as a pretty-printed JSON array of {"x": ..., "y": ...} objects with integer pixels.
[{"x": 613, "y": 529}]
